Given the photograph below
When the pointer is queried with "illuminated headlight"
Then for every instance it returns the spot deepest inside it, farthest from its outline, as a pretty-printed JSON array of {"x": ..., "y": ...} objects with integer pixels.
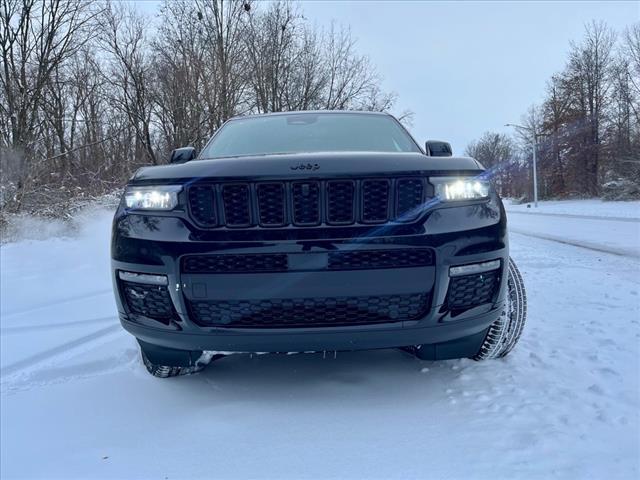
[
  {"x": 451, "y": 189},
  {"x": 162, "y": 197}
]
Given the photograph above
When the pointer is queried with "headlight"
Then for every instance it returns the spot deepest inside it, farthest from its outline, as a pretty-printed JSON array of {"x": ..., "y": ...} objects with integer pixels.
[
  {"x": 162, "y": 197},
  {"x": 451, "y": 189}
]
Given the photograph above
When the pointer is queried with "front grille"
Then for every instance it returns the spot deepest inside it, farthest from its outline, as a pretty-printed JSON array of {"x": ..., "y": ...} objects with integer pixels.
[
  {"x": 271, "y": 204},
  {"x": 410, "y": 193},
  {"x": 307, "y": 203},
  {"x": 364, "y": 259},
  {"x": 471, "y": 290},
  {"x": 202, "y": 203},
  {"x": 237, "y": 209},
  {"x": 375, "y": 201},
  {"x": 267, "y": 262},
  {"x": 340, "y": 202},
  {"x": 309, "y": 312},
  {"x": 151, "y": 301}
]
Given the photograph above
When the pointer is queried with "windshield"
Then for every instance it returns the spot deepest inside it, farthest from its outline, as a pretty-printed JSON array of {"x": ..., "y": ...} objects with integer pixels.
[{"x": 309, "y": 132}]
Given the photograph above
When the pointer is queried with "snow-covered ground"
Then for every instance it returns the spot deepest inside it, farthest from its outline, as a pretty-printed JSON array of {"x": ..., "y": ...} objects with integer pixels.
[
  {"x": 77, "y": 403},
  {"x": 590, "y": 207},
  {"x": 611, "y": 227}
]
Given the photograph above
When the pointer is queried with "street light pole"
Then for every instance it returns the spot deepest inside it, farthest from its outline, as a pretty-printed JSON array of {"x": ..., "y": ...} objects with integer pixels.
[
  {"x": 535, "y": 172},
  {"x": 535, "y": 164}
]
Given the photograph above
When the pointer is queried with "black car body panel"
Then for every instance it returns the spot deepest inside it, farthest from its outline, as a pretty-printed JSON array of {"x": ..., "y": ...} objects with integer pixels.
[
  {"x": 314, "y": 165},
  {"x": 330, "y": 285}
]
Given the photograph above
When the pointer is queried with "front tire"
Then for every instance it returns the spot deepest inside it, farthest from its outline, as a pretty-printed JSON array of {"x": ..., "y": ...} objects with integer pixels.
[
  {"x": 166, "y": 371},
  {"x": 164, "y": 362},
  {"x": 505, "y": 332}
]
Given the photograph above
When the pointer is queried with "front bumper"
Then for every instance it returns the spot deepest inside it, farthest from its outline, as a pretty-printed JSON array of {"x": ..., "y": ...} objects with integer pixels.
[{"x": 457, "y": 235}]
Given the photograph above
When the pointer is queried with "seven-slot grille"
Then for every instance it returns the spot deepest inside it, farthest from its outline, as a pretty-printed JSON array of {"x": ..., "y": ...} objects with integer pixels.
[{"x": 307, "y": 203}]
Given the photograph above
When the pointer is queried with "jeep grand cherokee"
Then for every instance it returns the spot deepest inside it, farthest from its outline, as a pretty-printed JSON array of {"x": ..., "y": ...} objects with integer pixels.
[{"x": 314, "y": 231}]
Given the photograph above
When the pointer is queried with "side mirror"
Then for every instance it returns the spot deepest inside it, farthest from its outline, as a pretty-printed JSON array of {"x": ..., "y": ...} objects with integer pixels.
[
  {"x": 182, "y": 155},
  {"x": 436, "y": 148}
]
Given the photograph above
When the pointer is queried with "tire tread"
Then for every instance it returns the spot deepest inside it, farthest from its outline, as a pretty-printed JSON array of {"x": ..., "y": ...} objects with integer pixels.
[
  {"x": 165, "y": 371},
  {"x": 504, "y": 333}
]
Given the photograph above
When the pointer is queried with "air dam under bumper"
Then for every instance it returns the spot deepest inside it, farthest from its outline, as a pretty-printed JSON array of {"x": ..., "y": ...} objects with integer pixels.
[
  {"x": 446, "y": 341},
  {"x": 159, "y": 246}
]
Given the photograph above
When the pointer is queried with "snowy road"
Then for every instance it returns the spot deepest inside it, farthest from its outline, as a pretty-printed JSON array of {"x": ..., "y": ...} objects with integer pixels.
[
  {"x": 77, "y": 403},
  {"x": 616, "y": 235}
]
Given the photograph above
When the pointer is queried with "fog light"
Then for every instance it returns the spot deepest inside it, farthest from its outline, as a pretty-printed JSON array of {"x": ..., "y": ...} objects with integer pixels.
[
  {"x": 143, "y": 278},
  {"x": 474, "y": 268}
]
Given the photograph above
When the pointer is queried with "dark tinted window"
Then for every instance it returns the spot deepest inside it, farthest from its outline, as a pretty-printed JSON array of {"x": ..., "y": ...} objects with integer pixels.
[{"x": 304, "y": 133}]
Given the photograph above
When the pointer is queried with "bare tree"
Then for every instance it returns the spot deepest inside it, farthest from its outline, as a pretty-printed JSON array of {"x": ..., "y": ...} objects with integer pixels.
[
  {"x": 292, "y": 66},
  {"x": 307, "y": 79},
  {"x": 272, "y": 48},
  {"x": 589, "y": 73},
  {"x": 630, "y": 56},
  {"x": 553, "y": 116},
  {"x": 186, "y": 90},
  {"x": 89, "y": 93},
  {"x": 496, "y": 152},
  {"x": 350, "y": 75},
  {"x": 129, "y": 75},
  {"x": 36, "y": 37},
  {"x": 588, "y": 128},
  {"x": 224, "y": 24}
]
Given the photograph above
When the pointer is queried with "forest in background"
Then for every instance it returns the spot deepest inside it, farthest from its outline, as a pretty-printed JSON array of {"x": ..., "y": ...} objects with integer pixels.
[
  {"x": 91, "y": 91},
  {"x": 586, "y": 130}
]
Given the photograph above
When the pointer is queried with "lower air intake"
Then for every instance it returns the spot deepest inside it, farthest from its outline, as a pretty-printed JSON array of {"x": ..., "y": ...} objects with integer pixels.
[
  {"x": 368, "y": 259},
  {"x": 151, "y": 301},
  {"x": 310, "y": 312},
  {"x": 245, "y": 263},
  {"x": 471, "y": 290}
]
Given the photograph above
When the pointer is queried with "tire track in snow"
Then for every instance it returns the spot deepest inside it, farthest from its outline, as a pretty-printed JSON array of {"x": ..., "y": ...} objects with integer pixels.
[
  {"x": 76, "y": 298},
  {"x": 584, "y": 217},
  {"x": 623, "y": 252},
  {"x": 53, "y": 326},
  {"x": 51, "y": 353}
]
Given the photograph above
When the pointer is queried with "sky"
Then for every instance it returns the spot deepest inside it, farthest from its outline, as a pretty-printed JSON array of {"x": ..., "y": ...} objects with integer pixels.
[{"x": 468, "y": 67}]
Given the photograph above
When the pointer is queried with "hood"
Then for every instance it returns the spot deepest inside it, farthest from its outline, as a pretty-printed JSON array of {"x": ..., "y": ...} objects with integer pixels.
[{"x": 308, "y": 165}]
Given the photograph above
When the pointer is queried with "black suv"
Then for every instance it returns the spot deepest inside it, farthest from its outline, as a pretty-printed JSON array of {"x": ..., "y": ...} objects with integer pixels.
[{"x": 314, "y": 231}]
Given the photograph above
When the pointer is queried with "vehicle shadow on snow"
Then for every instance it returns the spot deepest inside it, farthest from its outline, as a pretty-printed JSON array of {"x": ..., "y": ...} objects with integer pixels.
[{"x": 391, "y": 373}]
